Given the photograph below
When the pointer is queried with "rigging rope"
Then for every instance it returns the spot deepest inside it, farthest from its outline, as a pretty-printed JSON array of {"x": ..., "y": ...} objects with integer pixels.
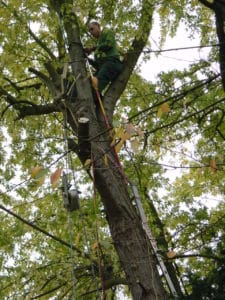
[
  {"x": 98, "y": 248},
  {"x": 85, "y": 231},
  {"x": 74, "y": 280}
]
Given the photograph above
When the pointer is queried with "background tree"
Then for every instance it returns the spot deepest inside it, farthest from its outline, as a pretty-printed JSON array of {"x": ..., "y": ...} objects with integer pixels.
[{"x": 44, "y": 82}]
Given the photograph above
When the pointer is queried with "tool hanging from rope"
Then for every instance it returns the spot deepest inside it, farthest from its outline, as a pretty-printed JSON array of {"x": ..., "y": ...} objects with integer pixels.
[{"x": 70, "y": 197}]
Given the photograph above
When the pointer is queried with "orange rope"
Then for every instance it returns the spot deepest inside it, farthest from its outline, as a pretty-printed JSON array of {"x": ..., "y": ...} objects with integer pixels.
[{"x": 108, "y": 127}]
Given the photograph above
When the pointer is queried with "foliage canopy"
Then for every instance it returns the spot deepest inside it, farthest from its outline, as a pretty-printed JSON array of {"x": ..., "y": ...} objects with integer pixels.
[{"x": 177, "y": 127}]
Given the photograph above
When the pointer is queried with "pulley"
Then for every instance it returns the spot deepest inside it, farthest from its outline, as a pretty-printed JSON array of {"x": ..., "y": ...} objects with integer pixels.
[
  {"x": 73, "y": 200},
  {"x": 70, "y": 197}
]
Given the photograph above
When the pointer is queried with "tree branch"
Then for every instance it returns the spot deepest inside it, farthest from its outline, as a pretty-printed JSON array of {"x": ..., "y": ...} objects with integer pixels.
[
  {"x": 41, "y": 44},
  {"x": 197, "y": 255},
  {"x": 38, "y": 110},
  {"x": 50, "y": 291},
  {"x": 186, "y": 117},
  {"x": 47, "y": 81},
  {"x": 35, "y": 227},
  {"x": 207, "y": 4},
  {"x": 108, "y": 284},
  {"x": 176, "y": 97}
]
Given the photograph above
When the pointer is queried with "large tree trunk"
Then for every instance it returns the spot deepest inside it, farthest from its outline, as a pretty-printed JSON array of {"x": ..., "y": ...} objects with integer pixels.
[{"x": 129, "y": 238}]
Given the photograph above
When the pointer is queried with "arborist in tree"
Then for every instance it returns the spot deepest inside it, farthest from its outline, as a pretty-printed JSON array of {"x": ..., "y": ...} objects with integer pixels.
[{"x": 106, "y": 56}]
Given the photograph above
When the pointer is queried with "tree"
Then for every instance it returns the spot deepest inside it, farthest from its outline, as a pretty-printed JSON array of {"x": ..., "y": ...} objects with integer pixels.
[
  {"x": 218, "y": 7},
  {"x": 44, "y": 81}
]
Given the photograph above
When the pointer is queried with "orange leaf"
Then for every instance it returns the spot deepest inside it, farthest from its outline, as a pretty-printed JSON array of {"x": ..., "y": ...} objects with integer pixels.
[
  {"x": 139, "y": 132},
  {"x": 55, "y": 177},
  {"x": 171, "y": 254},
  {"x": 213, "y": 165},
  {"x": 130, "y": 129},
  {"x": 95, "y": 245}
]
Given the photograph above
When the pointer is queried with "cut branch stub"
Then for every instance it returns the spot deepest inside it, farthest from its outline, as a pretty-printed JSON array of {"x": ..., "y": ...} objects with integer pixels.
[{"x": 84, "y": 144}]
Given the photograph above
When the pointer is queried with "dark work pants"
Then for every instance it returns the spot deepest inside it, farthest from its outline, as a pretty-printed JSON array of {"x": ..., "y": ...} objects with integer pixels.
[{"x": 108, "y": 72}]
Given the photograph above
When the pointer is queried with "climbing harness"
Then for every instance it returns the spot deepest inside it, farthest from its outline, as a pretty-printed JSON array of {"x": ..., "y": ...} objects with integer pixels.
[{"x": 152, "y": 240}]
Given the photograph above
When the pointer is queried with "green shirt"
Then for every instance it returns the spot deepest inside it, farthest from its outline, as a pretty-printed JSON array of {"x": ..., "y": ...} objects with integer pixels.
[{"x": 106, "y": 47}]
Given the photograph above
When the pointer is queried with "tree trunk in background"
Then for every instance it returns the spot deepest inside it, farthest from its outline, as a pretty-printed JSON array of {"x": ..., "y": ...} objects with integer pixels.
[{"x": 129, "y": 238}]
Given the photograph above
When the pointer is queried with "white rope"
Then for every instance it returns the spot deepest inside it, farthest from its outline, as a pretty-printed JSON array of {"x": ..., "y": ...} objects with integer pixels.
[
  {"x": 152, "y": 240},
  {"x": 73, "y": 277}
]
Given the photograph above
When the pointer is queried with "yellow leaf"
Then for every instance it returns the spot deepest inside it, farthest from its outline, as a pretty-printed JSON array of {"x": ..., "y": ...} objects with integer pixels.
[
  {"x": 54, "y": 178},
  {"x": 157, "y": 148},
  {"x": 171, "y": 254},
  {"x": 159, "y": 113},
  {"x": 163, "y": 110},
  {"x": 213, "y": 166},
  {"x": 121, "y": 136},
  {"x": 87, "y": 163},
  {"x": 165, "y": 107},
  {"x": 119, "y": 145},
  {"x": 106, "y": 162},
  {"x": 40, "y": 181},
  {"x": 117, "y": 135},
  {"x": 35, "y": 171}
]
